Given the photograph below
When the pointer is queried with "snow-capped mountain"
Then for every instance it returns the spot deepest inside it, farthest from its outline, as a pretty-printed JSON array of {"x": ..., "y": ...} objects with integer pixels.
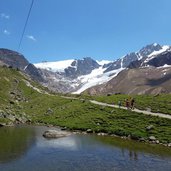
[
  {"x": 146, "y": 52},
  {"x": 78, "y": 75},
  {"x": 74, "y": 75},
  {"x": 157, "y": 58}
]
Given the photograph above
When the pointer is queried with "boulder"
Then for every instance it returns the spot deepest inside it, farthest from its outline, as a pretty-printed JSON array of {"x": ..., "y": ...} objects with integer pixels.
[
  {"x": 2, "y": 124},
  {"x": 55, "y": 134},
  {"x": 102, "y": 134}
]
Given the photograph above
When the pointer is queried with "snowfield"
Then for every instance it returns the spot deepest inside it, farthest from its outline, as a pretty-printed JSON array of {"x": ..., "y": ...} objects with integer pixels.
[{"x": 57, "y": 66}]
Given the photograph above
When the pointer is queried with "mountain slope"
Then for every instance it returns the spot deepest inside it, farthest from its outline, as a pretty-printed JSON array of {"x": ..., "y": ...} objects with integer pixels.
[
  {"x": 16, "y": 60},
  {"x": 23, "y": 100},
  {"x": 149, "y": 80}
]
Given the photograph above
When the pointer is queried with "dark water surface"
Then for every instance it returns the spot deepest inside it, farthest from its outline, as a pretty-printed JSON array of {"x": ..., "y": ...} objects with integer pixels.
[{"x": 24, "y": 149}]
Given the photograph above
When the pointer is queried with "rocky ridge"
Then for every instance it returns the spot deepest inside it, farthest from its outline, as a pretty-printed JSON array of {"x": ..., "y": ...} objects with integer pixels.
[{"x": 16, "y": 60}]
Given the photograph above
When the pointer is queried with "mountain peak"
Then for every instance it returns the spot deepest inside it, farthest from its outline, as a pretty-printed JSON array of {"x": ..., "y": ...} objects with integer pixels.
[{"x": 147, "y": 50}]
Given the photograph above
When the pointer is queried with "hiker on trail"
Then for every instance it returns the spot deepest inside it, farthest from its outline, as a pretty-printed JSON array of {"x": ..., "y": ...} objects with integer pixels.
[
  {"x": 132, "y": 103},
  {"x": 127, "y": 103},
  {"x": 119, "y": 103}
]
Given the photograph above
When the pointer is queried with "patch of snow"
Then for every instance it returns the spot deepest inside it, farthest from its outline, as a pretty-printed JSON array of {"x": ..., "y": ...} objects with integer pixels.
[
  {"x": 25, "y": 67},
  {"x": 102, "y": 62},
  {"x": 57, "y": 66},
  {"x": 139, "y": 56},
  {"x": 164, "y": 66},
  {"x": 155, "y": 44},
  {"x": 96, "y": 77},
  {"x": 122, "y": 62}
]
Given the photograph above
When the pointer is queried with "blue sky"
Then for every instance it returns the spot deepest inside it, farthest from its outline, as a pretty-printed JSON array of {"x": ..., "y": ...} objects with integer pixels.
[{"x": 73, "y": 29}]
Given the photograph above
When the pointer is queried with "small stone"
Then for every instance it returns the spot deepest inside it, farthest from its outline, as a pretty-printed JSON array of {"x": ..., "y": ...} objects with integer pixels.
[
  {"x": 49, "y": 111},
  {"x": 152, "y": 138},
  {"x": 2, "y": 124},
  {"x": 150, "y": 127},
  {"x": 89, "y": 131},
  {"x": 129, "y": 137},
  {"x": 169, "y": 145},
  {"x": 157, "y": 141},
  {"x": 101, "y": 134},
  {"x": 142, "y": 139},
  {"x": 64, "y": 128}
]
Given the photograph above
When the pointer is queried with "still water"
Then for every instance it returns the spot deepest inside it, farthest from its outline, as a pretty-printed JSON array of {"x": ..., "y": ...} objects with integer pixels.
[{"x": 23, "y": 148}]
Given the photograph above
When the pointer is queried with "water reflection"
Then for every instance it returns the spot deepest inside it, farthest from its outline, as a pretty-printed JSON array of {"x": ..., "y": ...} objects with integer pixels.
[
  {"x": 24, "y": 148},
  {"x": 14, "y": 142},
  {"x": 69, "y": 143},
  {"x": 133, "y": 155},
  {"x": 134, "y": 147}
]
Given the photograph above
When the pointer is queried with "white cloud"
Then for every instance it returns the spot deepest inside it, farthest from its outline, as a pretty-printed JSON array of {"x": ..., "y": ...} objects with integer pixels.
[
  {"x": 6, "y": 32},
  {"x": 31, "y": 38},
  {"x": 5, "y": 16}
]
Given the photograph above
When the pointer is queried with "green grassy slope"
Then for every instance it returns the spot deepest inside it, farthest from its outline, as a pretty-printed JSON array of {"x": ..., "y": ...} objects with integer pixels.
[{"x": 19, "y": 99}]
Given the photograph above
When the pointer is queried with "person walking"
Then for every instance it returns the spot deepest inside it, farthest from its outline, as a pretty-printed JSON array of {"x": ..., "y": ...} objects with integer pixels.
[
  {"x": 132, "y": 103},
  {"x": 119, "y": 103},
  {"x": 127, "y": 103}
]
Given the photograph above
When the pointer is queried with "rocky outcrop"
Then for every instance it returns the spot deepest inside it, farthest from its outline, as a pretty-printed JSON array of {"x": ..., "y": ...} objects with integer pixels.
[
  {"x": 10, "y": 118},
  {"x": 81, "y": 67}
]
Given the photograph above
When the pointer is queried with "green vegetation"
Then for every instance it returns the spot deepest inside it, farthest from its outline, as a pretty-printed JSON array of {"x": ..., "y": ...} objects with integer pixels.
[
  {"x": 83, "y": 116},
  {"x": 19, "y": 99}
]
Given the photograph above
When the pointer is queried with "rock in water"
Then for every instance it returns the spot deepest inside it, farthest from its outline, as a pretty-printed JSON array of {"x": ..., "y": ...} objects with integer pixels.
[{"x": 55, "y": 134}]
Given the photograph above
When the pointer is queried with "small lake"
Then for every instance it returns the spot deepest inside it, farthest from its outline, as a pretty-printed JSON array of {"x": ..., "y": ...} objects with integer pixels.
[{"x": 23, "y": 148}]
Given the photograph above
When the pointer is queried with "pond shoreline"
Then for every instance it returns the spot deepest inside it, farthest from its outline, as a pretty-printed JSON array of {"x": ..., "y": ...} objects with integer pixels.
[
  {"x": 151, "y": 140},
  {"x": 89, "y": 131}
]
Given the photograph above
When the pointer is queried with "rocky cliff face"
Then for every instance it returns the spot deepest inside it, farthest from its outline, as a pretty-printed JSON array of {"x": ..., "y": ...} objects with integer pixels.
[
  {"x": 16, "y": 60},
  {"x": 81, "y": 67}
]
